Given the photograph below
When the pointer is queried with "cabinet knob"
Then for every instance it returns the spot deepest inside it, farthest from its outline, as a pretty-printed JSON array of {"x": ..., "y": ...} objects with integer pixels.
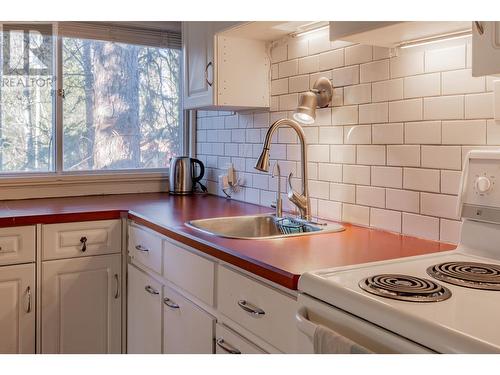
[{"x": 83, "y": 241}]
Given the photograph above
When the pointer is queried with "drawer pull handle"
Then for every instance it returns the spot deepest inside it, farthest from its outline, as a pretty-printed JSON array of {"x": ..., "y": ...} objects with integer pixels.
[
  {"x": 142, "y": 248},
  {"x": 206, "y": 74},
  {"x": 252, "y": 309},
  {"x": 83, "y": 241},
  {"x": 151, "y": 290},
  {"x": 117, "y": 292},
  {"x": 226, "y": 347},
  {"x": 28, "y": 295},
  {"x": 170, "y": 303}
]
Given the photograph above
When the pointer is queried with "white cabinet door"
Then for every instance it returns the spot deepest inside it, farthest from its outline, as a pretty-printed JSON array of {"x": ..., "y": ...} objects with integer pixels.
[
  {"x": 144, "y": 313},
  {"x": 485, "y": 48},
  {"x": 187, "y": 329},
  {"x": 81, "y": 305},
  {"x": 198, "y": 48},
  {"x": 17, "y": 309}
]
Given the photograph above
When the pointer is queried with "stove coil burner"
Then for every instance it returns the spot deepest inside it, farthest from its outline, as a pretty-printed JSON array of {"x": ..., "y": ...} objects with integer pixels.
[
  {"x": 405, "y": 288},
  {"x": 468, "y": 274}
]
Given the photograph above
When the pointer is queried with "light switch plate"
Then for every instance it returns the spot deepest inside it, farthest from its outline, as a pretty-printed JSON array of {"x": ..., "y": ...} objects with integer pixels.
[{"x": 496, "y": 99}]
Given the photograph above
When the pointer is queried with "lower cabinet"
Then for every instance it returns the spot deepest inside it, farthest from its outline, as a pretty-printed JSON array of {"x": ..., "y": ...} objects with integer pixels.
[
  {"x": 144, "y": 313},
  {"x": 17, "y": 309},
  {"x": 186, "y": 327},
  {"x": 229, "y": 342},
  {"x": 81, "y": 305}
]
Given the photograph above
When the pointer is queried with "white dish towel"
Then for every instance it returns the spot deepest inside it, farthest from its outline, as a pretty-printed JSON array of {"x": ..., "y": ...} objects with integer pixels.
[{"x": 327, "y": 341}]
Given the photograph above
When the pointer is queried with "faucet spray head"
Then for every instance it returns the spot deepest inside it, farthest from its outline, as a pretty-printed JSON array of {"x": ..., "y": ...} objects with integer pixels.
[{"x": 263, "y": 162}]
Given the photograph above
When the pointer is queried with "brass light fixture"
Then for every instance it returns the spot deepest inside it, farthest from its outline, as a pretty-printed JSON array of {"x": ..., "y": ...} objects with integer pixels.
[{"x": 320, "y": 96}]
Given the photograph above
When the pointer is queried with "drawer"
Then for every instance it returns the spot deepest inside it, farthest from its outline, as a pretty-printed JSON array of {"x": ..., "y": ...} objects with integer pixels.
[
  {"x": 187, "y": 329},
  {"x": 144, "y": 246},
  {"x": 229, "y": 342},
  {"x": 17, "y": 245},
  {"x": 86, "y": 238},
  {"x": 262, "y": 310},
  {"x": 189, "y": 271}
]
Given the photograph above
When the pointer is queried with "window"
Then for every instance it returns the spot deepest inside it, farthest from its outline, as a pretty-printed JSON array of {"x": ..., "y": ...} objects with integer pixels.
[
  {"x": 26, "y": 100},
  {"x": 118, "y": 107}
]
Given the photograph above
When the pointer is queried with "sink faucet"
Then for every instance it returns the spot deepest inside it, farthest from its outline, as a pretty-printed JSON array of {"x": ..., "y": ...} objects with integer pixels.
[
  {"x": 300, "y": 200},
  {"x": 279, "y": 202}
]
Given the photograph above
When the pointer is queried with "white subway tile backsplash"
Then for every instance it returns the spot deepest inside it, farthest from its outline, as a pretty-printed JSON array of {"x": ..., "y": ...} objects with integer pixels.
[
  {"x": 319, "y": 189},
  {"x": 331, "y": 135},
  {"x": 424, "y": 132},
  {"x": 343, "y": 193},
  {"x": 449, "y": 231},
  {"x": 357, "y": 94},
  {"x": 332, "y": 59},
  {"x": 421, "y": 226},
  {"x": 472, "y": 132},
  {"x": 374, "y": 71},
  {"x": 461, "y": 82},
  {"x": 403, "y": 155},
  {"x": 370, "y": 155},
  {"x": 298, "y": 83},
  {"x": 405, "y": 110},
  {"x": 444, "y": 108},
  {"x": 370, "y": 196},
  {"x": 385, "y": 219},
  {"x": 388, "y": 150},
  {"x": 279, "y": 53},
  {"x": 443, "y": 157},
  {"x": 345, "y": 115},
  {"x": 356, "y": 174},
  {"x": 358, "y": 134},
  {"x": 387, "y": 133},
  {"x": 356, "y": 214},
  {"x": 345, "y": 76},
  {"x": 450, "y": 181},
  {"x": 387, "y": 176},
  {"x": 298, "y": 47},
  {"x": 450, "y": 58},
  {"x": 358, "y": 54},
  {"x": 279, "y": 86},
  {"x": 288, "y": 68},
  {"x": 308, "y": 64},
  {"x": 479, "y": 106},
  {"x": 329, "y": 210},
  {"x": 373, "y": 113},
  {"x": 387, "y": 90},
  {"x": 319, "y": 153},
  {"x": 422, "y": 85},
  {"x": 407, "y": 64},
  {"x": 421, "y": 179},
  {"x": 345, "y": 154},
  {"x": 402, "y": 200},
  {"x": 440, "y": 205}
]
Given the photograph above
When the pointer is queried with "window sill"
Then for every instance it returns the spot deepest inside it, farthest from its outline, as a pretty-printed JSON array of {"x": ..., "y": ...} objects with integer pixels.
[{"x": 89, "y": 183}]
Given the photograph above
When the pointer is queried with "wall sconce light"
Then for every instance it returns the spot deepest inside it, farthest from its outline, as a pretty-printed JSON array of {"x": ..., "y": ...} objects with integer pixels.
[{"x": 320, "y": 96}]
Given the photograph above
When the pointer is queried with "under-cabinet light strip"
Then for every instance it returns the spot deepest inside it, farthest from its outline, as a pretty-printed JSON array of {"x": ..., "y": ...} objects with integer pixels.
[
  {"x": 310, "y": 31},
  {"x": 435, "y": 39}
]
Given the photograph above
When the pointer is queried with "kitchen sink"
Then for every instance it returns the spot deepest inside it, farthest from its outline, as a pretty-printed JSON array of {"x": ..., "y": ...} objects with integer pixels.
[{"x": 260, "y": 227}]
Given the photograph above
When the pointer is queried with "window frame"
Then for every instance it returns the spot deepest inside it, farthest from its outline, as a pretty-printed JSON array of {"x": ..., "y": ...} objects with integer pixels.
[{"x": 59, "y": 174}]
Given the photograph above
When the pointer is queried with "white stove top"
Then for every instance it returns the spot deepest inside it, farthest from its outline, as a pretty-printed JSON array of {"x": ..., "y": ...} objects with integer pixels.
[{"x": 467, "y": 322}]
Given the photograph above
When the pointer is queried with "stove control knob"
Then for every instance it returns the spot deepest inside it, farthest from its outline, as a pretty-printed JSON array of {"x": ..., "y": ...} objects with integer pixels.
[{"x": 483, "y": 184}]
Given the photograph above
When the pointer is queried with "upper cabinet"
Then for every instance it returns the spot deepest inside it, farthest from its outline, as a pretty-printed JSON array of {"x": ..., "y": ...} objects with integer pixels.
[
  {"x": 485, "y": 48},
  {"x": 223, "y": 68},
  {"x": 393, "y": 34}
]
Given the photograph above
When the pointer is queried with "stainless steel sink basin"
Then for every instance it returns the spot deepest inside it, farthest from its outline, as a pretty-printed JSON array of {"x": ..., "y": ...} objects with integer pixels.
[{"x": 259, "y": 227}]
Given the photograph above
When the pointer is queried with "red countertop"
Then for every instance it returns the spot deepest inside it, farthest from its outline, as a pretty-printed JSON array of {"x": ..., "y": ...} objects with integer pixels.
[{"x": 279, "y": 260}]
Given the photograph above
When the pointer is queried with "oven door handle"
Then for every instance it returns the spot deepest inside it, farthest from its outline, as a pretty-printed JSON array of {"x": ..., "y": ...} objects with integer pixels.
[{"x": 304, "y": 324}]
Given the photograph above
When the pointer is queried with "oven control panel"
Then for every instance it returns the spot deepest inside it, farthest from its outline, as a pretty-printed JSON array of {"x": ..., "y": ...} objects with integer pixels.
[{"x": 479, "y": 196}]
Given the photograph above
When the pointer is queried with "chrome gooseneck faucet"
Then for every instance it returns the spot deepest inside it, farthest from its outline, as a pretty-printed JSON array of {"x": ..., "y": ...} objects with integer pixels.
[{"x": 300, "y": 200}]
